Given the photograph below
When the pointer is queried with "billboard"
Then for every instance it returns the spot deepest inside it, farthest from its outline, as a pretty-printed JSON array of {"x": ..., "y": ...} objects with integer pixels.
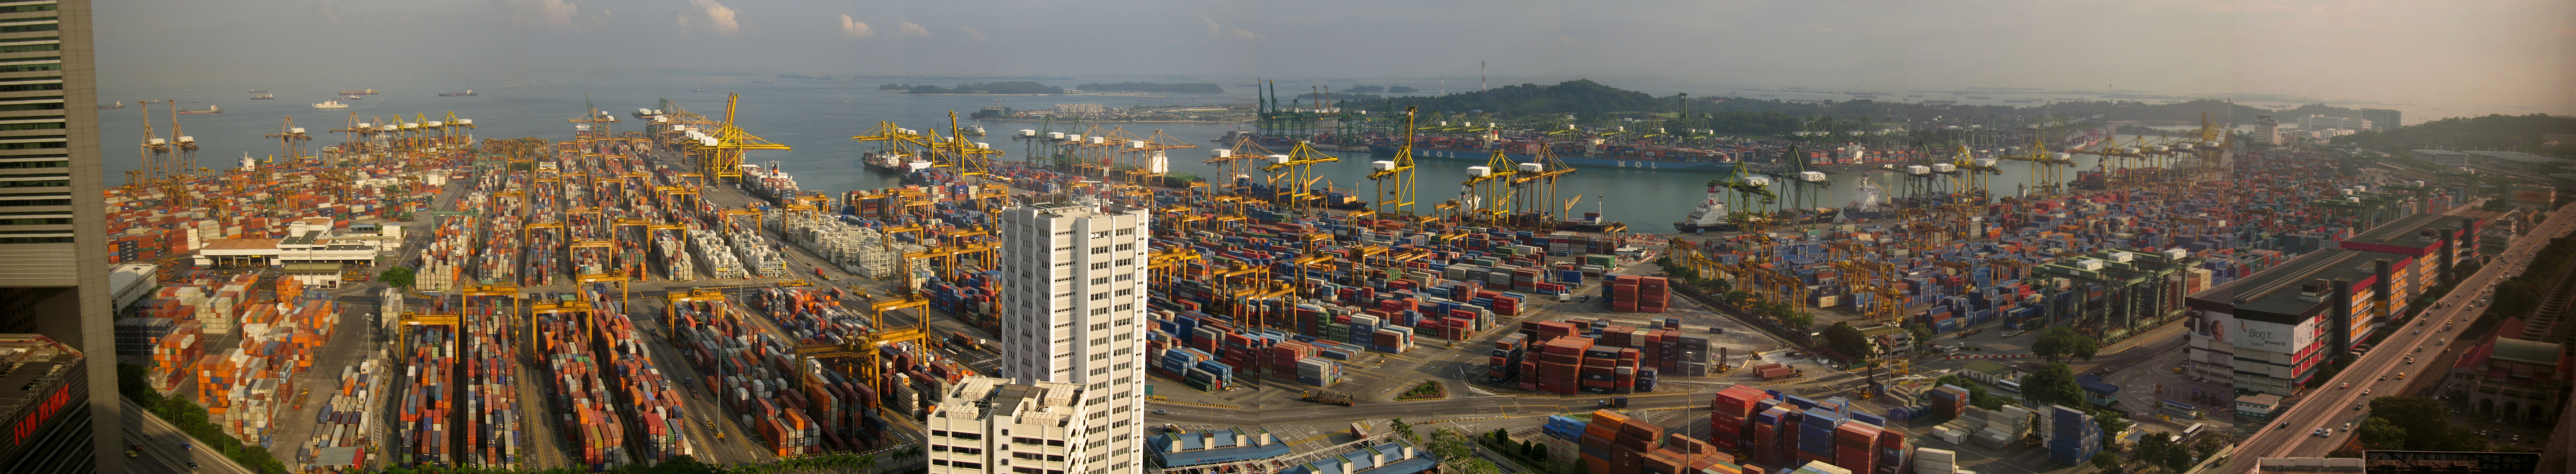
[{"x": 2276, "y": 337}]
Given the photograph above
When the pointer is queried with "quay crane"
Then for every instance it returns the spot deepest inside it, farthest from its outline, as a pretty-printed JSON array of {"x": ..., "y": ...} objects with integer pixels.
[
  {"x": 1299, "y": 165},
  {"x": 719, "y": 154},
  {"x": 1397, "y": 174},
  {"x": 1486, "y": 194}
]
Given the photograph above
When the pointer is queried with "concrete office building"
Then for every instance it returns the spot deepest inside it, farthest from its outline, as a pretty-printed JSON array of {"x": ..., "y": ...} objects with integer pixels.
[
  {"x": 2381, "y": 119},
  {"x": 53, "y": 232},
  {"x": 2321, "y": 122},
  {"x": 990, "y": 425},
  {"x": 1073, "y": 304}
]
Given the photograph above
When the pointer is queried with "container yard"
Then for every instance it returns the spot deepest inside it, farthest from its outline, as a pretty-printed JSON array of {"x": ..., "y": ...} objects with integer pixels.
[{"x": 797, "y": 322}]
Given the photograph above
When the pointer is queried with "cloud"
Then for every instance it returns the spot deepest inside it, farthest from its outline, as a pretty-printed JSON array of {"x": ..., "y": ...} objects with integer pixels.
[
  {"x": 854, "y": 29},
  {"x": 552, "y": 13},
  {"x": 1215, "y": 30},
  {"x": 910, "y": 29},
  {"x": 712, "y": 17},
  {"x": 971, "y": 33}
]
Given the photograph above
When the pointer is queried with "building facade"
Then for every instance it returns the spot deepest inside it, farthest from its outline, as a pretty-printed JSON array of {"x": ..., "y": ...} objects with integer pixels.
[
  {"x": 990, "y": 425},
  {"x": 53, "y": 235},
  {"x": 1080, "y": 109},
  {"x": 2511, "y": 379},
  {"x": 1073, "y": 304},
  {"x": 2266, "y": 130},
  {"x": 2381, "y": 119},
  {"x": 2321, "y": 122}
]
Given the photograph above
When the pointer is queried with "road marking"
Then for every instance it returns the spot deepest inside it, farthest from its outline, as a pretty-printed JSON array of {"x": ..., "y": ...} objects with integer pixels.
[{"x": 1229, "y": 407}]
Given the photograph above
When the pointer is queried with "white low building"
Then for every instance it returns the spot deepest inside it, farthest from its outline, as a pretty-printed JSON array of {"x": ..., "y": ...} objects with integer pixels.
[{"x": 990, "y": 425}]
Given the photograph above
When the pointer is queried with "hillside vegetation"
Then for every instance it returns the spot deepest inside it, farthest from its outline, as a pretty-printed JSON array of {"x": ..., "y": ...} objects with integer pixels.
[{"x": 2493, "y": 132}]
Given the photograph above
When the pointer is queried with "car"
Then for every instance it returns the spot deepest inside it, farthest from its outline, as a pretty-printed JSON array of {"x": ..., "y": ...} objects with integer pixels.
[
  {"x": 2410, "y": 359},
  {"x": 2347, "y": 427},
  {"x": 2320, "y": 432},
  {"x": 2401, "y": 376},
  {"x": 192, "y": 465},
  {"x": 2285, "y": 424},
  {"x": 2419, "y": 348},
  {"x": 2419, "y": 331},
  {"x": 2346, "y": 385},
  {"x": 2383, "y": 377},
  {"x": 2365, "y": 392},
  {"x": 2356, "y": 406},
  {"x": 1159, "y": 411}
]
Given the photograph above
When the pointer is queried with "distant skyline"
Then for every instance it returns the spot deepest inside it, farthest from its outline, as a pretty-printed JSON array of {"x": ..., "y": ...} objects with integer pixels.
[{"x": 2490, "y": 55}]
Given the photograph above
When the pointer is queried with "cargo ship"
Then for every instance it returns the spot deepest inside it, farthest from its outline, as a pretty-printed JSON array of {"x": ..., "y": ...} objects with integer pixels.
[
  {"x": 211, "y": 109},
  {"x": 893, "y": 162},
  {"x": 264, "y": 97},
  {"x": 330, "y": 104},
  {"x": 467, "y": 93},
  {"x": 359, "y": 92},
  {"x": 768, "y": 182},
  {"x": 1709, "y": 216},
  {"x": 1868, "y": 201},
  {"x": 1622, "y": 156},
  {"x": 119, "y": 105}
]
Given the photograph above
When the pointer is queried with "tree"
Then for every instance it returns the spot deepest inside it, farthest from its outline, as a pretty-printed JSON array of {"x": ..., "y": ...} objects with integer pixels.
[
  {"x": 1403, "y": 429},
  {"x": 1922, "y": 335},
  {"x": 399, "y": 277},
  {"x": 2109, "y": 463},
  {"x": 2052, "y": 385},
  {"x": 2208, "y": 445},
  {"x": 1843, "y": 338},
  {"x": 1801, "y": 322},
  {"x": 1457, "y": 454},
  {"x": 2378, "y": 434},
  {"x": 2420, "y": 419},
  {"x": 2057, "y": 342}
]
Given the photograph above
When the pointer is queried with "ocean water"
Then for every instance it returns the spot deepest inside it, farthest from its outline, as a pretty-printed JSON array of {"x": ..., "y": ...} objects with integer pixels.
[{"x": 817, "y": 119}]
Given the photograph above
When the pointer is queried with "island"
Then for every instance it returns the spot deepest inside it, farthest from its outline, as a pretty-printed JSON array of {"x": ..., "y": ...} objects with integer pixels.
[
  {"x": 1190, "y": 88},
  {"x": 993, "y": 88}
]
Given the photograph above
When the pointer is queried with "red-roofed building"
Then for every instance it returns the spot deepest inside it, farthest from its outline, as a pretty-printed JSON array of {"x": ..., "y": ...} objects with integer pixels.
[{"x": 2514, "y": 379}]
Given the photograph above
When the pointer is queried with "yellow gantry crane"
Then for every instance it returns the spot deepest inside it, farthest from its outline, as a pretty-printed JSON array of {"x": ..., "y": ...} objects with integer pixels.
[
  {"x": 1486, "y": 194},
  {"x": 719, "y": 153},
  {"x": 1297, "y": 168},
  {"x": 2045, "y": 177},
  {"x": 1534, "y": 190},
  {"x": 1396, "y": 174},
  {"x": 1147, "y": 157}
]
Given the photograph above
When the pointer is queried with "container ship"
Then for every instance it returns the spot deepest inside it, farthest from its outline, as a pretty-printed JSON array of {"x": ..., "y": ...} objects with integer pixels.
[
  {"x": 468, "y": 92},
  {"x": 1868, "y": 202},
  {"x": 891, "y": 162},
  {"x": 264, "y": 97},
  {"x": 359, "y": 92},
  {"x": 769, "y": 182},
  {"x": 1709, "y": 216},
  {"x": 211, "y": 109},
  {"x": 1597, "y": 153},
  {"x": 330, "y": 104}
]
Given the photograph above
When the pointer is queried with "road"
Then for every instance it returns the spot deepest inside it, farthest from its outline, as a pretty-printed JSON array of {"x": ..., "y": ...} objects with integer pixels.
[
  {"x": 2379, "y": 371},
  {"x": 161, "y": 452}
]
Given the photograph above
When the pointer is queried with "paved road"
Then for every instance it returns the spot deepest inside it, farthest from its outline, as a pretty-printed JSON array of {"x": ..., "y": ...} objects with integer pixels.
[
  {"x": 161, "y": 452},
  {"x": 2378, "y": 371}
]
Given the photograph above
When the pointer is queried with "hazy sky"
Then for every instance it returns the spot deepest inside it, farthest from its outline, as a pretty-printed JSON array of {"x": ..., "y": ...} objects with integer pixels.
[{"x": 2496, "y": 52}]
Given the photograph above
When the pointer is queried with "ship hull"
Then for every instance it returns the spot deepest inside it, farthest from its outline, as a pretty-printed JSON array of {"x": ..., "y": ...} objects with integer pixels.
[
  {"x": 1580, "y": 162},
  {"x": 1689, "y": 228}
]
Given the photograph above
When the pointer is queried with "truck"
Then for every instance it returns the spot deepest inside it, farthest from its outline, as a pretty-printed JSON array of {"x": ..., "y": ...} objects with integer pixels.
[{"x": 1329, "y": 397}]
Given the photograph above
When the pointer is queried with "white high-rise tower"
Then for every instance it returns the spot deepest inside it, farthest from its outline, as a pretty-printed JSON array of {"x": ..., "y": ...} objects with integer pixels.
[{"x": 1073, "y": 305}]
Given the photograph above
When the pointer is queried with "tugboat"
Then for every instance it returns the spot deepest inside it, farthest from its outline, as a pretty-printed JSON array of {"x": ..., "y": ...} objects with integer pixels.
[
  {"x": 1710, "y": 215},
  {"x": 1868, "y": 202}
]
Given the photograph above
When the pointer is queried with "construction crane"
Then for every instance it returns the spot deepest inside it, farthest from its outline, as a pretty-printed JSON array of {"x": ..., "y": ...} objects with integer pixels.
[
  {"x": 719, "y": 153},
  {"x": 1395, "y": 186},
  {"x": 1298, "y": 169}
]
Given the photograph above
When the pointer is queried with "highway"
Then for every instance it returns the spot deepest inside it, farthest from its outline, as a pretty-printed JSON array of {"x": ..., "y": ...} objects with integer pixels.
[
  {"x": 161, "y": 452},
  {"x": 2379, "y": 371}
]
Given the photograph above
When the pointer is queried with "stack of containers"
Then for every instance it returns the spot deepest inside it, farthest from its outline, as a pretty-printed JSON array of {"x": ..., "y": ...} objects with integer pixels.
[
  {"x": 1856, "y": 446},
  {"x": 1503, "y": 361},
  {"x": 1639, "y": 294},
  {"x": 1892, "y": 451},
  {"x": 2073, "y": 435},
  {"x": 1560, "y": 366},
  {"x": 1636, "y": 438},
  {"x": 1318, "y": 372},
  {"x": 424, "y": 405},
  {"x": 1949, "y": 401},
  {"x": 491, "y": 382},
  {"x": 1564, "y": 438},
  {"x": 1935, "y": 461},
  {"x": 1731, "y": 415},
  {"x": 1598, "y": 436}
]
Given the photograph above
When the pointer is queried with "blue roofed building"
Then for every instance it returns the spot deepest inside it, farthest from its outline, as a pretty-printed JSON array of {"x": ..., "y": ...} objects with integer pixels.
[
  {"x": 2098, "y": 392},
  {"x": 1186, "y": 449},
  {"x": 1395, "y": 456}
]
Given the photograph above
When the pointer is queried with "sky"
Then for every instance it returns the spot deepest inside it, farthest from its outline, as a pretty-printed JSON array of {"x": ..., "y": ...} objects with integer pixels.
[{"x": 2517, "y": 53}]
